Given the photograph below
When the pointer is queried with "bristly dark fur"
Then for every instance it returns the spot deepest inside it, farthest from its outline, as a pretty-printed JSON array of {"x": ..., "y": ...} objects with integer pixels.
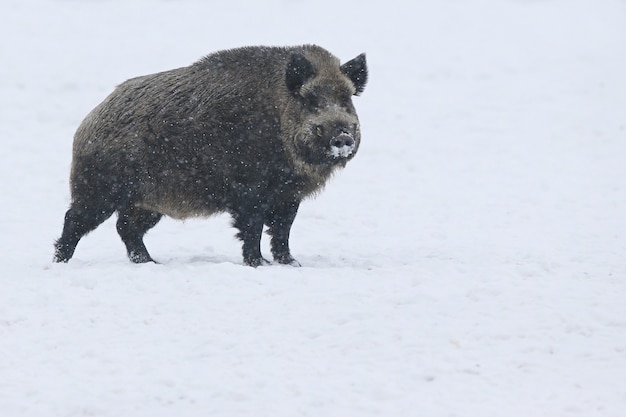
[{"x": 248, "y": 131}]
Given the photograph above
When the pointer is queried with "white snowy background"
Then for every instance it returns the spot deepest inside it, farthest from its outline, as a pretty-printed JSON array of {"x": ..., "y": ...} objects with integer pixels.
[{"x": 470, "y": 261}]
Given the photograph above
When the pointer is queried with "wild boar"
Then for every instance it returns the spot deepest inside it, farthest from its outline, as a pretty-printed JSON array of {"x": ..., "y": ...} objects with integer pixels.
[{"x": 250, "y": 131}]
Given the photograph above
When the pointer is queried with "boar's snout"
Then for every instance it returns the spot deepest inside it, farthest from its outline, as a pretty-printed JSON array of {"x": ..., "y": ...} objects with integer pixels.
[
  {"x": 342, "y": 145},
  {"x": 342, "y": 140}
]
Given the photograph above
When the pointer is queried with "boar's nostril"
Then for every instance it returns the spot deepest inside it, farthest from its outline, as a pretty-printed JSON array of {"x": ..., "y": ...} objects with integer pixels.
[{"x": 342, "y": 140}]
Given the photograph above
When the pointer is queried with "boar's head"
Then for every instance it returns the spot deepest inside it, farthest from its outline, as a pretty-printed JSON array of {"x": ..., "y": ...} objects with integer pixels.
[{"x": 322, "y": 127}]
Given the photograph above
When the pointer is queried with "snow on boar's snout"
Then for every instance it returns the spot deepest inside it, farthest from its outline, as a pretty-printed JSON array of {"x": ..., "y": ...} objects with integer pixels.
[{"x": 250, "y": 131}]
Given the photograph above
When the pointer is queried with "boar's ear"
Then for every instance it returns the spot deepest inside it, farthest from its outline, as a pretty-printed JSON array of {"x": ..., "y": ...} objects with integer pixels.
[
  {"x": 299, "y": 71},
  {"x": 356, "y": 70}
]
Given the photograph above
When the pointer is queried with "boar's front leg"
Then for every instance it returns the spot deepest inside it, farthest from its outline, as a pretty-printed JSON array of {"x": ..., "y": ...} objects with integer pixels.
[
  {"x": 249, "y": 221},
  {"x": 279, "y": 220}
]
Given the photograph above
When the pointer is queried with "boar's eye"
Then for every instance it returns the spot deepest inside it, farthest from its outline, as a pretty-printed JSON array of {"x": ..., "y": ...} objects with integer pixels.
[
  {"x": 313, "y": 100},
  {"x": 346, "y": 103}
]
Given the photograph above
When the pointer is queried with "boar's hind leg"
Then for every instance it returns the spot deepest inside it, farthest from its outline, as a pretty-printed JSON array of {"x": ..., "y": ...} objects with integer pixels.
[
  {"x": 80, "y": 219},
  {"x": 132, "y": 225},
  {"x": 279, "y": 220}
]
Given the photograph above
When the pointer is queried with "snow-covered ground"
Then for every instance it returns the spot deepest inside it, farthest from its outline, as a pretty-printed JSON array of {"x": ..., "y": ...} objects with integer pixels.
[{"x": 470, "y": 261}]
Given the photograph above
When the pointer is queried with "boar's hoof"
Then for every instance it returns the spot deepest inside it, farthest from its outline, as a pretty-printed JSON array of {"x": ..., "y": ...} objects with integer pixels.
[
  {"x": 140, "y": 258},
  {"x": 287, "y": 260},
  {"x": 255, "y": 262},
  {"x": 60, "y": 256}
]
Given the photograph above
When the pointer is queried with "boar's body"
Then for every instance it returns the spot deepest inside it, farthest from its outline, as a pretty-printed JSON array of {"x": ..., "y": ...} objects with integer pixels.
[{"x": 249, "y": 131}]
